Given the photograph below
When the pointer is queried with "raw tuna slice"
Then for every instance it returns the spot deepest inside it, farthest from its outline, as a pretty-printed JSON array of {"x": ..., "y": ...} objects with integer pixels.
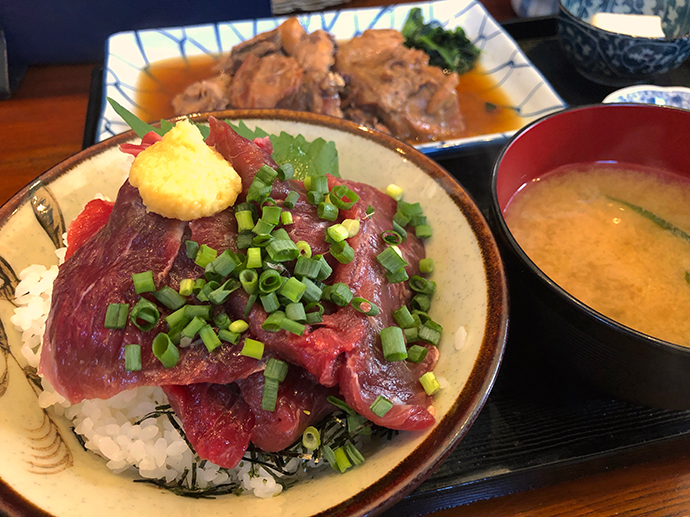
[
  {"x": 83, "y": 359},
  {"x": 217, "y": 422},
  {"x": 301, "y": 403},
  {"x": 94, "y": 217}
]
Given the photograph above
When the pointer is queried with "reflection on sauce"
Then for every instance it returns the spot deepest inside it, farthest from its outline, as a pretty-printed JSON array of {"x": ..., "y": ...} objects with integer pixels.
[{"x": 481, "y": 101}]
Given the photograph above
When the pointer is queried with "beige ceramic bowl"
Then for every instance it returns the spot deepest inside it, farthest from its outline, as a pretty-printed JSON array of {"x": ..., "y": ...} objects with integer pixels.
[{"x": 43, "y": 469}]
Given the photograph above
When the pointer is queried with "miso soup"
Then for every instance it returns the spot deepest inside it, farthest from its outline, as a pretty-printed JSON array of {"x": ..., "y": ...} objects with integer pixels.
[{"x": 617, "y": 238}]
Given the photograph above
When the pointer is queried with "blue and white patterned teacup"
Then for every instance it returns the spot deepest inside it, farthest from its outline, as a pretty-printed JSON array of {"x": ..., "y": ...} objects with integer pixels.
[{"x": 618, "y": 59}]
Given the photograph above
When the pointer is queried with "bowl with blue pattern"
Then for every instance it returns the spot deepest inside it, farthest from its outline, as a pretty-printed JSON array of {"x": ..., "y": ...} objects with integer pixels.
[
  {"x": 617, "y": 59},
  {"x": 675, "y": 96}
]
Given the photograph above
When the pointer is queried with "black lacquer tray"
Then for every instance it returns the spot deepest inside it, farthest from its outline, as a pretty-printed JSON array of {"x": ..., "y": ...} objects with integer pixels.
[{"x": 541, "y": 424}]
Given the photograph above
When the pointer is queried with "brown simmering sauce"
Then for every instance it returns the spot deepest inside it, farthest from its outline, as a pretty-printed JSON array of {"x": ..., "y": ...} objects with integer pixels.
[{"x": 482, "y": 102}]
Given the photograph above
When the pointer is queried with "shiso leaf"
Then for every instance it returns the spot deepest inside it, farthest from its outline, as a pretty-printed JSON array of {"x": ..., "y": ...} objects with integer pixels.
[{"x": 315, "y": 158}]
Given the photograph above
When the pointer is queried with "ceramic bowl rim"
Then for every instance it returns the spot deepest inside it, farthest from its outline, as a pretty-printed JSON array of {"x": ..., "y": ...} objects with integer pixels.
[
  {"x": 455, "y": 424},
  {"x": 524, "y": 258}
]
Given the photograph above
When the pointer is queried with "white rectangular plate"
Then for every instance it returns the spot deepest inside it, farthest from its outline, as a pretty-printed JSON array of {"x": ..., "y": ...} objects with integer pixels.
[{"x": 529, "y": 94}]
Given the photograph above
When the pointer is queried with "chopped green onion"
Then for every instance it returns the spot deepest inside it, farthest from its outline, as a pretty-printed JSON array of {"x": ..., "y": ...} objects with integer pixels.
[
  {"x": 395, "y": 277},
  {"x": 269, "y": 397},
  {"x": 411, "y": 335},
  {"x": 400, "y": 231},
  {"x": 202, "y": 311},
  {"x": 326, "y": 269},
  {"x": 342, "y": 252},
  {"x": 281, "y": 248},
  {"x": 263, "y": 227},
  {"x": 132, "y": 358},
  {"x": 327, "y": 211},
  {"x": 250, "y": 303},
  {"x": 423, "y": 231},
  {"x": 337, "y": 232},
  {"x": 421, "y": 302},
  {"x": 311, "y": 439},
  {"x": 286, "y": 171},
  {"x": 176, "y": 319},
  {"x": 249, "y": 280},
  {"x": 317, "y": 183},
  {"x": 270, "y": 302},
  {"x": 410, "y": 209},
  {"x": 254, "y": 258},
  {"x": 229, "y": 336},
  {"x": 416, "y": 353},
  {"x": 271, "y": 214},
  {"x": 192, "y": 248},
  {"x": 312, "y": 293},
  {"x": 365, "y": 306},
  {"x": 430, "y": 383},
  {"x": 245, "y": 239},
  {"x": 352, "y": 227},
  {"x": 422, "y": 285},
  {"x": 258, "y": 190},
  {"x": 393, "y": 344},
  {"x": 292, "y": 326},
  {"x": 143, "y": 282},
  {"x": 304, "y": 249},
  {"x": 341, "y": 404},
  {"x": 341, "y": 294},
  {"x": 170, "y": 298},
  {"x": 223, "y": 292},
  {"x": 222, "y": 321},
  {"x": 187, "y": 287},
  {"x": 329, "y": 455},
  {"x": 209, "y": 338},
  {"x": 266, "y": 174},
  {"x": 144, "y": 315},
  {"x": 394, "y": 191},
  {"x": 295, "y": 311},
  {"x": 343, "y": 198},
  {"x": 381, "y": 406},
  {"x": 391, "y": 260},
  {"x": 313, "y": 318},
  {"x": 426, "y": 265},
  {"x": 276, "y": 369},
  {"x": 391, "y": 237},
  {"x": 245, "y": 220},
  {"x": 199, "y": 284},
  {"x": 291, "y": 200},
  {"x": 239, "y": 326},
  {"x": 353, "y": 454},
  {"x": 430, "y": 332},
  {"x": 272, "y": 322},
  {"x": 205, "y": 256},
  {"x": 226, "y": 263},
  {"x": 293, "y": 290},
  {"x": 308, "y": 267},
  {"x": 270, "y": 281},
  {"x": 417, "y": 220},
  {"x": 315, "y": 198},
  {"x": 341, "y": 460},
  {"x": 286, "y": 218},
  {"x": 116, "y": 316},
  {"x": 165, "y": 350},
  {"x": 252, "y": 348},
  {"x": 403, "y": 317},
  {"x": 193, "y": 327}
]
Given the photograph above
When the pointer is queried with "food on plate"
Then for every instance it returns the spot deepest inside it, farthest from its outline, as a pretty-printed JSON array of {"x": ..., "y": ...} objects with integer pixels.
[
  {"x": 301, "y": 299},
  {"x": 613, "y": 236},
  {"x": 375, "y": 78}
]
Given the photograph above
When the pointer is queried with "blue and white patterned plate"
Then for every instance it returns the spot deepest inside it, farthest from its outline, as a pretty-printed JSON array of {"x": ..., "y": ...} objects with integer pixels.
[
  {"x": 676, "y": 96},
  {"x": 529, "y": 94}
]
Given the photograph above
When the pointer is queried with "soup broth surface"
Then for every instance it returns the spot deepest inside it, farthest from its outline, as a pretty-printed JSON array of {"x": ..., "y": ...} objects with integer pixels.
[{"x": 577, "y": 226}]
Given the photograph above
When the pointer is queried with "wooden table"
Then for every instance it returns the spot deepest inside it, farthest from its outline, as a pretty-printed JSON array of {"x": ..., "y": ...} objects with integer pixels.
[{"x": 44, "y": 124}]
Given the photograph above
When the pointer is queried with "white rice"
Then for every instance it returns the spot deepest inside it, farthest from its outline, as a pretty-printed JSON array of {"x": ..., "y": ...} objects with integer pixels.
[{"x": 117, "y": 429}]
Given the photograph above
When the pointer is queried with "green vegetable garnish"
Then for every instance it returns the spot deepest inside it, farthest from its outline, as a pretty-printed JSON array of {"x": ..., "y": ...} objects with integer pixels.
[
  {"x": 447, "y": 49},
  {"x": 663, "y": 223}
]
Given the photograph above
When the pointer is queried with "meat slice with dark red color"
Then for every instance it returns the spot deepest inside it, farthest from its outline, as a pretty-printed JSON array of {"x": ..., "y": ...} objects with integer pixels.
[
  {"x": 217, "y": 422},
  {"x": 301, "y": 402},
  {"x": 394, "y": 84}
]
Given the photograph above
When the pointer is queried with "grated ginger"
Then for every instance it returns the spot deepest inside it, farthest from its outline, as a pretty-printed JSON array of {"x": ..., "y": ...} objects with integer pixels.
[{"x": 181, "y": 177}]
